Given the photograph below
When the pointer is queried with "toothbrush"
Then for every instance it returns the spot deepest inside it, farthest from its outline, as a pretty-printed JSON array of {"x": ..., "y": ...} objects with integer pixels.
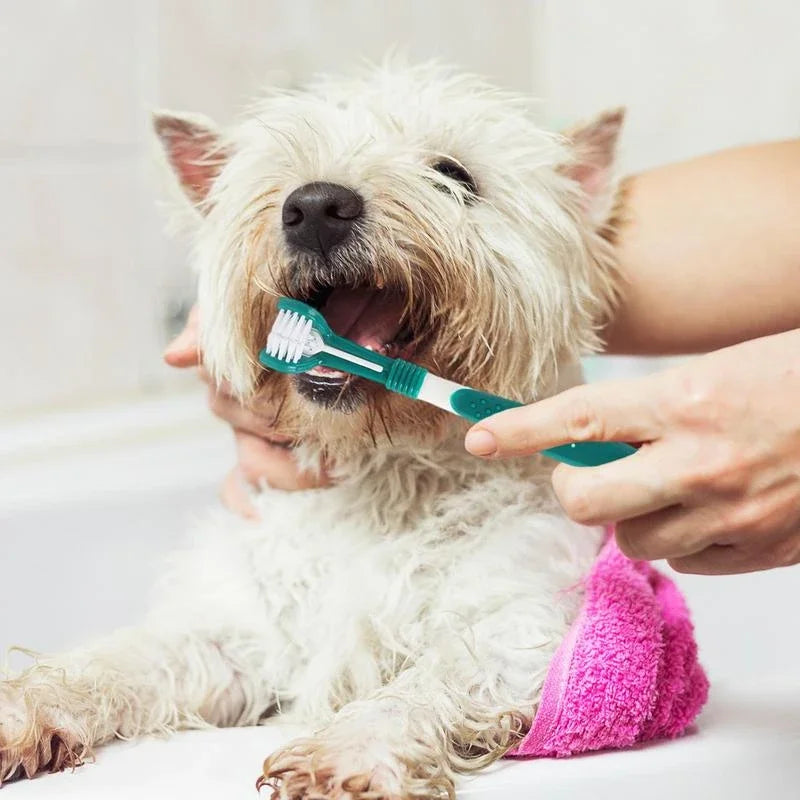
[{"x": 301, "y": 339}]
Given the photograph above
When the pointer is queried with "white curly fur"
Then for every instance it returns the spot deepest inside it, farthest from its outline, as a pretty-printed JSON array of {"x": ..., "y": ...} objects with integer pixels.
[{"x": 408, "y": 614}]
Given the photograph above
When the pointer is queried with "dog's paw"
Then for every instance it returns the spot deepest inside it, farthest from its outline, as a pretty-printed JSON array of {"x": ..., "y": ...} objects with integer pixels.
[
  {"x": 327, "y": 767},
  {"x": 34, "y": 737},
  {"x": 313, "y": 769}
]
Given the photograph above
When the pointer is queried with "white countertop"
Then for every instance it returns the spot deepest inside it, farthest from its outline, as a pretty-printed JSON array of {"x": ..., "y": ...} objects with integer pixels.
[
  {"x": 747, "y": 745},
  {"x": 92, "y": 502}
]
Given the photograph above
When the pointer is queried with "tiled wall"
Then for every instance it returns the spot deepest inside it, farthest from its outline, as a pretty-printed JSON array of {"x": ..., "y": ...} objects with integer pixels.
[
  {"x": 696, "y": 76},
  {"x": 89, "y": 284}
]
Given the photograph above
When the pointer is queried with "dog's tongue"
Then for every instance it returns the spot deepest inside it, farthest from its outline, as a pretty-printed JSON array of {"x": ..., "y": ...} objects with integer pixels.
[{"x": 369, "y": 317}]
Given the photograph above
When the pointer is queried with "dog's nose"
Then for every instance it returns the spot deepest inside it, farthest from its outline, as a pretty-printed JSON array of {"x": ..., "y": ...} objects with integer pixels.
[{"x": 319, "y": 216}]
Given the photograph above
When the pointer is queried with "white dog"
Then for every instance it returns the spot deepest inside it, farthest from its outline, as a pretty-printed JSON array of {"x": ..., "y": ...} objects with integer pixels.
[{"x": 408, "y": 614}]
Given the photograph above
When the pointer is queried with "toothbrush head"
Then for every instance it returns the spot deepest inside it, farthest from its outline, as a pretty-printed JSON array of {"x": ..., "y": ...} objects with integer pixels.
[
  {"x": 301, "y": 339},
  {"x": 296, "y": 339}
]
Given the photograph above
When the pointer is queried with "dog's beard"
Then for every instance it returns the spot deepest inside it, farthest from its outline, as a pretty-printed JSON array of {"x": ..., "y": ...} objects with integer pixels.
[{"x": 380, "y": 300}]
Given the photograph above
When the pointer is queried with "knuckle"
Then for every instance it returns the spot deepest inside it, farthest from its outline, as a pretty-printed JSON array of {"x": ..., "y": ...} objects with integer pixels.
[
  {"x": 625, "y": 541},
  {"x": 723, "y": 472},
  {"x": 579, "y": 508},
  {"x": 681, "y": 565},
  {"x": 755, "y": 516},
  {"x": 731, "y": 476},
  {"x": 630, "y": 542},
  {"x": 575, "y": 497},
  {"x": 697, "y": 478},
  {"x": 750, "y": 516},
  {"x": 251, "y": 466},
  {"x": 693, "y": 400},
  {"x": 583, "y": 422},
  {"x": 785, "y": 553}
]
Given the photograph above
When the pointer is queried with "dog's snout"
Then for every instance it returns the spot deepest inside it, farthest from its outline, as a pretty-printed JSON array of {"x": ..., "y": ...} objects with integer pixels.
[{"x": 318, "y": 216}]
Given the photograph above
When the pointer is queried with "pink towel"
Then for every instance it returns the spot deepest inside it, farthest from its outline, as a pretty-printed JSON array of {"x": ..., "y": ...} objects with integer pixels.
[{"x": 627, "y": 671}]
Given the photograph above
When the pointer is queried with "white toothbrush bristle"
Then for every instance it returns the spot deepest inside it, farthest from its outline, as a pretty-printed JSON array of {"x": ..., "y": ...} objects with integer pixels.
[{"x": 292, "y": 336}]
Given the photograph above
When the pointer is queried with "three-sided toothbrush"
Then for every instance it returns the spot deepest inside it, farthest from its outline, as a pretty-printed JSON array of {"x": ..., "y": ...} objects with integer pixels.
[{"x": 301, "y": 339}]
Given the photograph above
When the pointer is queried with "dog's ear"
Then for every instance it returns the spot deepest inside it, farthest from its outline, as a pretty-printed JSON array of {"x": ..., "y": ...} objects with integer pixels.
[
  {"x": 195, "y": 151},
  {"x": 594, "y": 146}
]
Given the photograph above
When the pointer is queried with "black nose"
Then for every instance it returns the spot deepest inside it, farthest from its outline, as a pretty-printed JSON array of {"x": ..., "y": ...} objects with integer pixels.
[{"x": 319, "y": 216}]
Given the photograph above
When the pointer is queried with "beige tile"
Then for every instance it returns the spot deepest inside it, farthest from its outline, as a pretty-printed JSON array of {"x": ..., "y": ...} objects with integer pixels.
[
  {"x": 695, "y": 77},
  {"x": 71, "y": 71},
  {"x": 490, "y": 38},
  {"x": 215, "y": 56},
  {"x": 84, "y": 269}
]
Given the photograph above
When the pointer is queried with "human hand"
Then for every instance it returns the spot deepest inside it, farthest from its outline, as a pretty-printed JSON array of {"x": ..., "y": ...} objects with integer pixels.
[
  {"x": 263, "y": 456},
  {"x": 715, "y": 486}
]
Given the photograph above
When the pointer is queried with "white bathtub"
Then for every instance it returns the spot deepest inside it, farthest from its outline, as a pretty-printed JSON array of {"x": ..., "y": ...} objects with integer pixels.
[{"x": 88, "y": 502}]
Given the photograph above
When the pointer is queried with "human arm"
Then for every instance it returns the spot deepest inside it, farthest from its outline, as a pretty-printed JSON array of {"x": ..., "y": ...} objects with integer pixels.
[{"x": 709, "y": 251}]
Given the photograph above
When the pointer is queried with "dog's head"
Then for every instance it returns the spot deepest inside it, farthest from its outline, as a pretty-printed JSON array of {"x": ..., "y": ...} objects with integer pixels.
[{"x": 426, "y": 215}]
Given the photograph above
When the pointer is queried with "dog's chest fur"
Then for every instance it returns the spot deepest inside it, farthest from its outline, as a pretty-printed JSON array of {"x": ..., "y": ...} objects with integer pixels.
[{"x": 409, "y": 559}]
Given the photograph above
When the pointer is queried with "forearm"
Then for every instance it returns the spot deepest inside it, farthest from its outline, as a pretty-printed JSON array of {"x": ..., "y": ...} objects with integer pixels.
[{"x": 710, "y": 252}]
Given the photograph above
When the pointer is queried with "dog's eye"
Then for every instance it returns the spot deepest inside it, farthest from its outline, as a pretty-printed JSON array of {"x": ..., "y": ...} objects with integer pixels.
[{"x": 453, "y": 170}]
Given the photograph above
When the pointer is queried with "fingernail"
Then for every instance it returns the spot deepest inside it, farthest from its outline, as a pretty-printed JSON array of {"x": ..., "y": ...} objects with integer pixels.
[{"x": 480, "y": 442}]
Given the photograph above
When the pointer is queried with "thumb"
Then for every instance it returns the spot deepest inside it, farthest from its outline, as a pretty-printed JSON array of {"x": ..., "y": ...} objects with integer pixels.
[
  {"x": 612, "y": 411},
  {"x": 184, "y": 349}
]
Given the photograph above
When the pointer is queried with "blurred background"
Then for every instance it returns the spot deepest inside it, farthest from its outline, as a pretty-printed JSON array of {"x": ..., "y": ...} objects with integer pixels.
[
  {"x": 91, "y": 287},
  {"x": 104, "y": 451}
]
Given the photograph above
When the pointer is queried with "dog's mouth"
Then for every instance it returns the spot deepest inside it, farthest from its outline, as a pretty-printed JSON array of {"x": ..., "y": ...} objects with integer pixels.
[
  {"x": 371, "y": 317},
  {"x": 374, "y": 317}
]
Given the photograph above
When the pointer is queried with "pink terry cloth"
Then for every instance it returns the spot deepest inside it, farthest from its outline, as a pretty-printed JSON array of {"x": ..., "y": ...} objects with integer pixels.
[{"x": 626, "y": 672}]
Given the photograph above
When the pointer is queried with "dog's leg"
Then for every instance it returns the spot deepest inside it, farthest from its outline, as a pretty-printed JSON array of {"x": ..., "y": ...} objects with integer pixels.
[
  {"x": 135, "y": 682},
  {"x": 463, "y": 705}
]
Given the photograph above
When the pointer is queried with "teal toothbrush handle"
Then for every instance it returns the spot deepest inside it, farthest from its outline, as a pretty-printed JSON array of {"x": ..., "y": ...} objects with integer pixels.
[{"x": 475, "y": 406}]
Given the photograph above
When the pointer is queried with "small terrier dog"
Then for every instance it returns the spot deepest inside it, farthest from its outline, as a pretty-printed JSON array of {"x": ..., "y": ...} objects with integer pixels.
[{"x": 407, "y": 614}]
